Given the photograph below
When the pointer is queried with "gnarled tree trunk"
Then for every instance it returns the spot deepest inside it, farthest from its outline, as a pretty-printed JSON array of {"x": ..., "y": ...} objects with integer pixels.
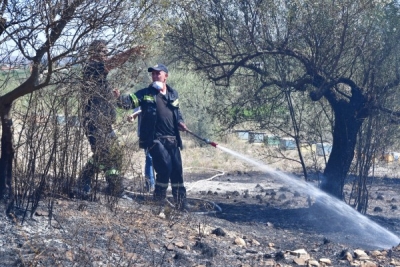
[
  {"x": 7, "y": 156},
  {"x": 349, "y": 117}
]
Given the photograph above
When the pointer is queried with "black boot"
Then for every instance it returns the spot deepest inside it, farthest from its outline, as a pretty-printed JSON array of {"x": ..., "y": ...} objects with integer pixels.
[
  {"x": 181, "y": 203},
  {"x": 85, "y": 179},
  {"x": 160, "y": 200},
  {"x": 159, "y": 193}
]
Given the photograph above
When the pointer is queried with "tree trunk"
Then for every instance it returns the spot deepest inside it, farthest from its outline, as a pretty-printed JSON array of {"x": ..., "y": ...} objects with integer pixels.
[
  {"x": 346, "y": 127},
  {"x": 7, "y": 156}
]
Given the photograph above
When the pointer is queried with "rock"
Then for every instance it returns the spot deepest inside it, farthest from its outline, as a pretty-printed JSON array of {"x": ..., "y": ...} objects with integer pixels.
[
  {"x": 378, "y": 209},
  {"x": 300, "y": 261},
  {"x": 179, "y": 244},
  {"x": 360, "y": 254},
  {"x": 368, "y": 264},
  {"x": 240, "y": 242},
  {"x": 280, "y": 255},
  {"x": 205, "y": 229},
  {"x": 219, "y": 232},
  {"x": 170, "y": 247},
  {"x": 325, "y": 261},
  {"x": 395, "y": 262},
  {"x": 69, "y": 255},
  {"x": 269, "y": 224},
  {"x": 347, "y": 256},
  {"x": 251, "y": 251},
  {"x": 313, "y": 263},
  {"x": 269, "y": 263},
  {"x": 254, "y": 242},
  {"x": 376, "y": 253},
  {"x": 299, "y": 252},
  {"x": 41, "y": 213}
]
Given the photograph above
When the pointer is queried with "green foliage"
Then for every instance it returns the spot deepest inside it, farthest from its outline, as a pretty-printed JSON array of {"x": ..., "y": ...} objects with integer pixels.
[
  {"x": 196, "y": 99},
  {"x": 10, "y": 79}
]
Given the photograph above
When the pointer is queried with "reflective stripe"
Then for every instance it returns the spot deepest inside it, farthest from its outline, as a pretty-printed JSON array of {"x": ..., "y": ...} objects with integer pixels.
[
  {"x": 175, "y": 103},
  {"x": 177, "y": 185},
  {"x": 148, "y": 98},
  {"x": 135, "y": 100},
  {"x": 162, "y": 184},
  {"x": 112, "y": 172}
]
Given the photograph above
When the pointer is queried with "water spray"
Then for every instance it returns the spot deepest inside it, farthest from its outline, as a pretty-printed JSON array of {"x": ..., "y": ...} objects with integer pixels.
[
  {"x": 367, "y": 231},
  {"x": 207, "y": 141}
]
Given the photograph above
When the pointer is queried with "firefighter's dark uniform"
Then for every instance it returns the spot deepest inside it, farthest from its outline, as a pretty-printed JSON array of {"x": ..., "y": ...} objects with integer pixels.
[
  {"x": 161, "y": 137},
  {"x": 99, "y": 116}
]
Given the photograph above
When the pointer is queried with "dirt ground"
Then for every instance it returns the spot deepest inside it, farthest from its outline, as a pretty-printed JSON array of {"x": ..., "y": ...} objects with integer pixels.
[
  {"x": 240, "y": 216},
  {"x": 258, "y": 198}
]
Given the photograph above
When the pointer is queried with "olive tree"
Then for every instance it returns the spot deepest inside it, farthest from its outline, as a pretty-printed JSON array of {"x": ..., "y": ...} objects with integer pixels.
[
  {"x": 343, "y": 52},
  {"x": 48, "y": 39}
]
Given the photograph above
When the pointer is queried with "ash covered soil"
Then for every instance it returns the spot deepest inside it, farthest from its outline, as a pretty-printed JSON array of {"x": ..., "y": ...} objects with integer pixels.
[{"x": 237, "y": 218}]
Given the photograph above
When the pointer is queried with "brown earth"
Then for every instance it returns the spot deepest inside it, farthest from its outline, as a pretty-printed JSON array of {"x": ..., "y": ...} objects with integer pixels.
[{"x": 239, "y": 217}]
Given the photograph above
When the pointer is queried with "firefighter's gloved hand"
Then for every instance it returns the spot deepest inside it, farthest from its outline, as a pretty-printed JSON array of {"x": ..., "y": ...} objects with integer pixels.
[
  {"x": 182, "y": 127},
  {"x": 132, "y": 117},
  {"x": 116, "y": 93}
]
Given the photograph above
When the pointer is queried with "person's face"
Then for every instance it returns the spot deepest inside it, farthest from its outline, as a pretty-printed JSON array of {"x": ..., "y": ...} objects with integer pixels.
[
  {"x": 103, "y": 51},
  {"x": 159, "y": 76}
]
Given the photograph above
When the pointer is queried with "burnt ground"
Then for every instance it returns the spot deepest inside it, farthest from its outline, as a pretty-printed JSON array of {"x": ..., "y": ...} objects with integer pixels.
[
  {"x": 292, "y": 219},
  {"x": 236, "y": 219},
  {"x": 268, "y": 201}
]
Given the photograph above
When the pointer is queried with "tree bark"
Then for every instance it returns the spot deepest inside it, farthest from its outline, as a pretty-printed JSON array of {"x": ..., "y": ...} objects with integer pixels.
[
  {"x": 349, "y": 117},
  {"x": 7, "y": 156}
]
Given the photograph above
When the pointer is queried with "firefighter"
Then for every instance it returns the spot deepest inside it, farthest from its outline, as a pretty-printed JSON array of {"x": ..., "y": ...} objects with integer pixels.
[
  {"x": 99, "y": 101},
  {"x": 161, "y": 121}
]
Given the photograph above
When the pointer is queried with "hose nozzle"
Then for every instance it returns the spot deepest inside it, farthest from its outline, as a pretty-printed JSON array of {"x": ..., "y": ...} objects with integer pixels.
[{"x": 213, "y": 144}]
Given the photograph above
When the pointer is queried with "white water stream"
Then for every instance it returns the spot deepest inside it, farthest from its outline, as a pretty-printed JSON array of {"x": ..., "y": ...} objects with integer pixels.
[{"x": 366, "y": 229}]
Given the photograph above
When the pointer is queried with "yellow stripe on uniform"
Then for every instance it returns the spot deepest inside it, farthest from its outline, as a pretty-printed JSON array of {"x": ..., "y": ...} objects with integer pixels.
[
  {"x": 177, "y": 185},
  {"x": 162, "y": 184},
  {"x": 148, "y": 98},
  {"x": 175, "y": 103},
  {"x": 112, "y": 172},
  {"x": 135, "y": 100}
]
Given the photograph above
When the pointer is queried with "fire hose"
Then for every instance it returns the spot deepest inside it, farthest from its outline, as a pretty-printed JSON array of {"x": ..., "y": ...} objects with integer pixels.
[{"x": 207, "y": 141}]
